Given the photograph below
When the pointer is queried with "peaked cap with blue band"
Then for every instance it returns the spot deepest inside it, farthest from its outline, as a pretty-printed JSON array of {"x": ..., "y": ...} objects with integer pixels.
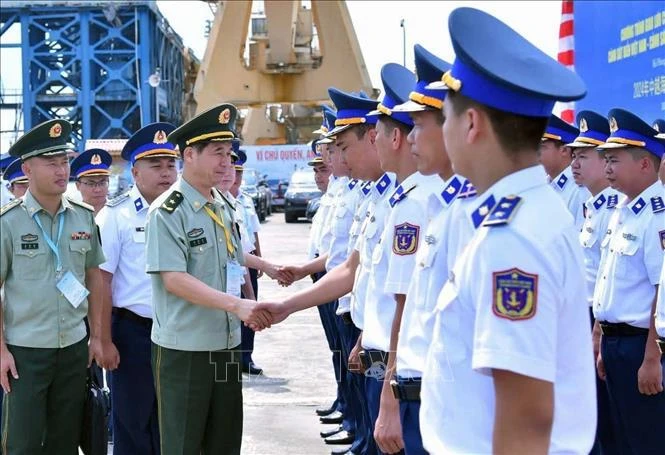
[
  {"x": 659, "y": 125},
  {"x": 351, "y": 110},
  {"x": 5, "y": 160},
  {"x": 497, "y": 67},
  {"x": 93, "y": 162},
  {"x": 329, "y": 117},
  {"x": 594, "y": 130},
  {"x": 558, "y": 130},
  {"x": 397, "y": 84},
  {"x": 628, "y": 130},
  {"x": 214, "y": 125},
  {"x": 429, "y": 68},
  {"x": 13, "y": 173},
  {"x": 150, "y": 142},
  {"x": 46, "y": 139},
  {"x": 240, "y": 161}
]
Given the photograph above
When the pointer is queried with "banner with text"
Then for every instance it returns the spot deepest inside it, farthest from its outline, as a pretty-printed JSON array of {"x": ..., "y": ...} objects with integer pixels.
[
  {"x": 620, "y": 54},
  {"x": 277, "y": 161}
]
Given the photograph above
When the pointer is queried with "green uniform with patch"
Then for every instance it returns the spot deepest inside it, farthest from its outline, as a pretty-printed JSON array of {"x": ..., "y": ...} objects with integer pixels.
[{"x": 195, "y": 357}]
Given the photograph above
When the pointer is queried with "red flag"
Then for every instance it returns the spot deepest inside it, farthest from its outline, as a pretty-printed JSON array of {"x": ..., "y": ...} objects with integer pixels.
[{"x": 566, "y": 54}]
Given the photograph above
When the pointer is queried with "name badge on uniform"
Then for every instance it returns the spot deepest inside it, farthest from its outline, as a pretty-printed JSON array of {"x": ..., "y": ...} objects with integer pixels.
[
  {"x": 72, "y": 289},
  {"x": 139, "y": 234},
  {"x": 234, "y": 278}
]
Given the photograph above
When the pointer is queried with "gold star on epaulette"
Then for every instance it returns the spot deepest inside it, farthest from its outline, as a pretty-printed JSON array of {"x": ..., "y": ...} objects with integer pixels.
[{"x": 172, "y": 202}]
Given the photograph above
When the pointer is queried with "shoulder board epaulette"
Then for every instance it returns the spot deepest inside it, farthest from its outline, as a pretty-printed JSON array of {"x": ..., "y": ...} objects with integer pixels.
[
  {"x": 81, "y": 204},
  {"x": 117, "y": 200},
  {"x": 10, "y": 205},
  {"x": 657, "y": 204},
  {"x": 612, "y": 201},
  {"x": 399, "y": 195},
  {"x": 467, "y": 191},
  {"x": 503, "y": 212},
  {"x": 172, "y": 202},
  {"x": 352, "y": 184}
]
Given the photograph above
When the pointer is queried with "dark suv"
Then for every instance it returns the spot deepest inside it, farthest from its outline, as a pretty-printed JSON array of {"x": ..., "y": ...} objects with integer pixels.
[
  {"x": 302, "y": 189},
  {"x": 259, "y": 191}
]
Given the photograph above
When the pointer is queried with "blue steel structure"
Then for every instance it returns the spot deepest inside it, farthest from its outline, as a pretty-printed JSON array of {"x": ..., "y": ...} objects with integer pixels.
[{"x": 89, "y": 62}]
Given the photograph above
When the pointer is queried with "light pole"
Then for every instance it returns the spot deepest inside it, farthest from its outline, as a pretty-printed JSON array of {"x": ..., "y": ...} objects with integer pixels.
[{"x": 403, "y": 25}]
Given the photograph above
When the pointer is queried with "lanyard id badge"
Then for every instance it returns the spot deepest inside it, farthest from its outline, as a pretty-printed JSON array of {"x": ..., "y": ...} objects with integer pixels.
[
  {"x": 234, "y": 278},
  {"x": 72, "y": 289}
]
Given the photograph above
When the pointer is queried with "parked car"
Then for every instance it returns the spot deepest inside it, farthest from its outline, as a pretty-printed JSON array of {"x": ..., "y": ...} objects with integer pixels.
[
  {"x": 278, "y": 188},
  {"x": 260, "y": 193},
  {"x": 312, "y": 208},
  {"x": 301, "y": 190}
]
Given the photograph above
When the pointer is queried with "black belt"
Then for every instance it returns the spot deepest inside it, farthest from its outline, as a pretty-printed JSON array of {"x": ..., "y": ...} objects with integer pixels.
[
  {"x": 406, "y": 389},
  {"x": 124, "y": 313},
  {"x": 346, "y": 317},
  {"x": 621, "y": 329},
  {"x": 661, "y": 344},
  {"x": 370, "y": 356}
]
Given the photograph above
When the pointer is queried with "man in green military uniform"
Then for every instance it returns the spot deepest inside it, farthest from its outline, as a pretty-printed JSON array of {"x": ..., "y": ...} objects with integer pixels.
[
  {"x": 49, "y": 258},
  {"x": 194, "y": 256}
]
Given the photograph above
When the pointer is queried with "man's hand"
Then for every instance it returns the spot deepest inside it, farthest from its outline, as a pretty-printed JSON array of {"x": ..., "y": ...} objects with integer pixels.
[
  {"x": 650, "y": 377},
  {"x": 254, "y": 318},
  {"x": 277, "y": 310},
  {"x": 7, "y": 366},
  {"x": 355, "y": 366},
  {"x": 600, "y": 367},
  {"x": 388, "y": 427},
  {"x": 291, "y": 273},
  {"x": 104, "y": 353}
]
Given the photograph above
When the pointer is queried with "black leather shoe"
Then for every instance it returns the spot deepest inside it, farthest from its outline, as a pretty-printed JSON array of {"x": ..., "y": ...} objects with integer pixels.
[
  {"x": 325, "y": 411},
  {"x": 328, "y": 433},
  {"x": 252, "y": 369},
  {"x": 343, "y": 437},
  {"x": 342, "y": 452},
  {"x": 335, "y": 417}
]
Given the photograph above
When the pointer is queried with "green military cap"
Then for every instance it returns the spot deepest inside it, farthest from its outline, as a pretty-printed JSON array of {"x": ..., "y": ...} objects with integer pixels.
[
  {"x": 216, "y": 124},
  {"x": 46, "y": 139}
]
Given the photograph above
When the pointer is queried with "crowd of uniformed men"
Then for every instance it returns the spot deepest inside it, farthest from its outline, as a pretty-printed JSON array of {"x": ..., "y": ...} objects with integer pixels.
[{"x": 487, "y": 275}]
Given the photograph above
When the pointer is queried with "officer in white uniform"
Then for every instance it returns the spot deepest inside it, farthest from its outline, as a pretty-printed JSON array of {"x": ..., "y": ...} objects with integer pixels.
[
  {"x": 122, "y": 228},
  {"x": 624, "y": 300},
  {"x": 5, "y": 194},
  {"x": 556, "y": 157},
  {"x": 588, "y": 168},
  {"x": 660, "y": 309},
  {"x": 509, "y": 316}
]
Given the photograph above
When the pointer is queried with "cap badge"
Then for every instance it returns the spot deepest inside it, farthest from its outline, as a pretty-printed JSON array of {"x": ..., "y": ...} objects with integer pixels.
[
  {"x": 225, "y": 116},
  {"x": 96, "y": 159},
  {"x": 55, "y": 131},
  {"x": 583, "y": 126},
  {"x": 160, "y": 137},
  {"x": 613, "y": 125}
]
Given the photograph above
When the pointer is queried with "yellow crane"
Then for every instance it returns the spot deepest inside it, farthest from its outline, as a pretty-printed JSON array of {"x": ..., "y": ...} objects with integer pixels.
[{"x": 282, "y": 72}]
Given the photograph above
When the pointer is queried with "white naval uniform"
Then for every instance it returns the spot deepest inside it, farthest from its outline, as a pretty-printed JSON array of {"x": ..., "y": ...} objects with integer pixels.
[
  {"x": 326, "y": 234},
  {"x": 318, "y": 226},
  {"x": 247, "y": 219},
  {"x": 573, "y": 195},
  {"x": 632, "y": 257},
  {"x": 342, "y": 219},
  {"x": 370, "y": 234},
  {"x": 393, "y": 258},
  {"x": 511, "y": 303},
  {"x": 427, "y": 280},
  {"x": 598, "y": 210},
  {"x": 6, "y": 196},
  {"x": 122, "y": 232},
  {"x": 660, "y": 303}
]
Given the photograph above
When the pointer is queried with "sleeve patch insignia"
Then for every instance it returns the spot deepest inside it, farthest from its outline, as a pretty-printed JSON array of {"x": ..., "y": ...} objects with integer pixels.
[
  {"x": 196, "y": 232},
  {"x": 515, "y": 294},
  {"x": 405, "y": 241},
  {"x": 661, "y": 234}
]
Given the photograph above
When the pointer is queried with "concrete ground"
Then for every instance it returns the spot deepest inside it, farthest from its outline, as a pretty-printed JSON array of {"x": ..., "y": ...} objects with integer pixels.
[{"x": 298, "y": 377}]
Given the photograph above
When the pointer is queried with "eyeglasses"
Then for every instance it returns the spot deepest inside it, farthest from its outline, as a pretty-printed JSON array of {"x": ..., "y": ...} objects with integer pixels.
[{"x": 95, "y": 184}]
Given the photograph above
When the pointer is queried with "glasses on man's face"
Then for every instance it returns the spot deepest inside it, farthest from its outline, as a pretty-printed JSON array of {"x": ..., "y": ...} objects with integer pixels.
[{"x": 95, "y": 183}]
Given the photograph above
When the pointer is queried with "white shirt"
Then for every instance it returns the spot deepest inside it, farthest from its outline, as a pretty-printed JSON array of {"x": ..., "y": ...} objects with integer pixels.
[
  {"x": 431, "y": 273},
  {"x": 5, "y": 195},
  {"x": 242, "y": 218},
  {"x": 251, "y": 219},
  {"x": 573, "y": 195},
  {"x": 370, "y": 235},
  {"x": 122, "y": 230},
  {"x": 598, "y": 210},
  {"x": 318, "y": 225},
  {"x": 632, "y": 256},
  {"x": 325, "y": 236},
  {"x": 660, "y": 303},
  {"x": 511, "y": 303},
  {"x": 393, "y": 259}
]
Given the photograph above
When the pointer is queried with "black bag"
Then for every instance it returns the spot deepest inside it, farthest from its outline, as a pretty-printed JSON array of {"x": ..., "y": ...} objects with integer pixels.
[{"x": 94, "y": 430}]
